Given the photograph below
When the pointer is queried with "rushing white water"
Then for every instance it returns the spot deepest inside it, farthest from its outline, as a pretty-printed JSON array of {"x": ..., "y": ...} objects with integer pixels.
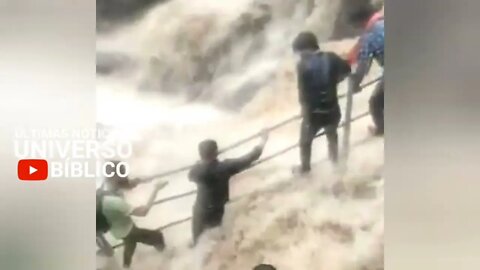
[{"x": 224, "y": 70}]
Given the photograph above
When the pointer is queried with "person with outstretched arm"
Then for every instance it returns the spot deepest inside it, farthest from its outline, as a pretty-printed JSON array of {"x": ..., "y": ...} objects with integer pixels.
[
  {"x": 318, "y": 74},
  {"x": 118, "y": 214},
  {"x": 113, "y": 185},
  {"x": 212, "y": 178}
]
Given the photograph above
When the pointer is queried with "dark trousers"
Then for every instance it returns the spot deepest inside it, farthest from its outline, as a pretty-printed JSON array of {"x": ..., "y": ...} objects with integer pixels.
[
  {"x": 205, "y": 218},
  {"x": 376, "y": 107},
  {"x": 310, "y": 127},
  {"x": 149, "y": 237}
]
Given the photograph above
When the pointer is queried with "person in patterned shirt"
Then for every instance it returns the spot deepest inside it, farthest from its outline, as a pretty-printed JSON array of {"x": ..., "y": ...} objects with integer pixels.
[
  {"x": 352, "y": 55},
  {"x": 371, "y": 47}
]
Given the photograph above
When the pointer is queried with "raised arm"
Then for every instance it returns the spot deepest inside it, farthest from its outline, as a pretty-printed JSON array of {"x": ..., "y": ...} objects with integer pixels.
[
  {"x": 240, "y": 164},
  {"x": 143, "y": 210}
]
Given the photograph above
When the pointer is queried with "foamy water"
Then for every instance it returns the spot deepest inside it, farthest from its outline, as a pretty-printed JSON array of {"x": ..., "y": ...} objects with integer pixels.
[{"x": 162, "y": 108}]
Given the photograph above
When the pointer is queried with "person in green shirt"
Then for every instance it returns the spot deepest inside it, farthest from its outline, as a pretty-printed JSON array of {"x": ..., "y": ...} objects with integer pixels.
[{"x": 118, "y": 214}]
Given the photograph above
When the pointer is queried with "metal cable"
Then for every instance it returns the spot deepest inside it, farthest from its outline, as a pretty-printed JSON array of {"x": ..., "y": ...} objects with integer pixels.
[
  {"x": 248, "y": 139},
  {"x": 283, "y": 151},
  {"x": 272, "y": 156}
]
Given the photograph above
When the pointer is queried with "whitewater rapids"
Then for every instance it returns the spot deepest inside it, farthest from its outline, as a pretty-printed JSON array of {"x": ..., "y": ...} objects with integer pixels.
[{"x": 292, "y": 223}]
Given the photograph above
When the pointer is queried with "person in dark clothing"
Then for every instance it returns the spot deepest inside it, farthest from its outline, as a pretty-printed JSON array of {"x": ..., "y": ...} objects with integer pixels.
[
  {"x": 212, "y": 179},
  {"x": 371, "y": 48},
  {"x": 318, "y": 74}
]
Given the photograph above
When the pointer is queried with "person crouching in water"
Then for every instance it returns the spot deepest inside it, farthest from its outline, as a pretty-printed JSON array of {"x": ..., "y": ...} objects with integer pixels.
[
  {"x": 212, "y": 179},
  {"x": 318, "y": 74},
  {"x": 118, "y": 214}
]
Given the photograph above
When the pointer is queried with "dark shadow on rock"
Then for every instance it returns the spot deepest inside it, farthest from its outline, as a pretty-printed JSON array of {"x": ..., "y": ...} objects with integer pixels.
[
  {"x": 364, "y": 191},
  {"x": 108, "y": 63},
  {"x": 244, "y": 94},
  {"x": 249, "y": 26},
  {"x": 112, "y": 13}
]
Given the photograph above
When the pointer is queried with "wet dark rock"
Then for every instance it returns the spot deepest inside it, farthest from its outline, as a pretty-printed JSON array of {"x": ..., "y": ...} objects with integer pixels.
[
  {"x": 112, "y": 13},
  {"x": 247, "y": 27},
  {"x": 109, "y": 63}
]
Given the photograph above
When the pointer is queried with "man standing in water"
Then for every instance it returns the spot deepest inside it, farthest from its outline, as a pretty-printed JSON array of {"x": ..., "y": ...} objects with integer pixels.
[
  {"x": 318, "y": 74},
  {"x": 212, "y": 178}
]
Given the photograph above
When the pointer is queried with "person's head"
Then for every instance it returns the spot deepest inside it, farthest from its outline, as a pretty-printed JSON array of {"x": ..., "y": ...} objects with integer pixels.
[
  {"x": 360, "y": 17},
  {"x": 305, "y": 41},
  {"x": 264, "y": 267},
  {"x": 208, "y": 150},
  {"x": 116, "y": 182}
]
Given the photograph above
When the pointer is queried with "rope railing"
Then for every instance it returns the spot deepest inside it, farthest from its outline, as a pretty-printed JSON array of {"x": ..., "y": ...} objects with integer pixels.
[
  {"x": 248, "y": 139},
  {"x": 280, "y": 124},
  {"x": 175, "y": 197},
  {"x": 272, "y": 156},
  {"x": 287, "y": 149},
  {"x": 265, "y": 159}
]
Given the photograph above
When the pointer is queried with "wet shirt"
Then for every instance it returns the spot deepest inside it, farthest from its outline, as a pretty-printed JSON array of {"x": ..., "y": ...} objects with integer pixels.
[
  {"x": 318, "y": 74},
  {"x": 212, "y": 178},
  {"x": 117, "y": 211},
  {"x": 372, "y": 43}
]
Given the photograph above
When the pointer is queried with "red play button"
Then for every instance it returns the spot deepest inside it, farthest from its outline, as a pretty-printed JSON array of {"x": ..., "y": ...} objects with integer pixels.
[{"x": 32, "y": 169}]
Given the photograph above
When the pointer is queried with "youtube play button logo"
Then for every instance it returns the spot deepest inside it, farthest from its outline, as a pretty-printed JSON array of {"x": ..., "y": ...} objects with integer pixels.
[{"x": 32, "y": 169}]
